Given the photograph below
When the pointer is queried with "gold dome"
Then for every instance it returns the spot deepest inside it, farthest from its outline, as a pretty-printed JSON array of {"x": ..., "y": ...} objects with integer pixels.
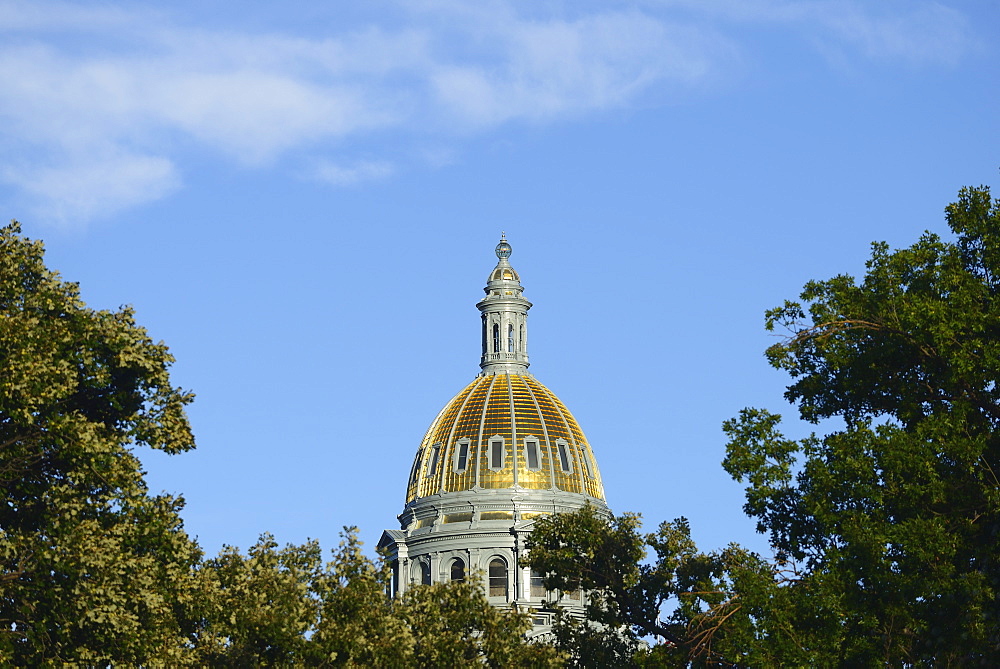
[{"x": 504, "y": 430}]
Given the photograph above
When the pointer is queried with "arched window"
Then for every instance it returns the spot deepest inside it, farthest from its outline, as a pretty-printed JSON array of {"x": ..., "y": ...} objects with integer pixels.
[
  {"x": 425, "y": 573},
  {"x": 458, "y": 570},
  {"x": 498, "y": 578},
  {"x": 510, "y": 338},
  {"x": 496, "y": 338},
  {"x": 394, "y": 585},
  {"x": 521, "y": 340}
]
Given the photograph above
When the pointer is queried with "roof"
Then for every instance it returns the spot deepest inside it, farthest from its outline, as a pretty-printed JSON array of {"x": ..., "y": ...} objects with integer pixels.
[{"x": 504, "y": 430}]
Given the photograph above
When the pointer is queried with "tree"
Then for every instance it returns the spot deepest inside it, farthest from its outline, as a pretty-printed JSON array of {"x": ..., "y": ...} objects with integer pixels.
[
  {"x": 358, "y": 623},
  {"x": 257, "y": 609},
  {"x": 893, "y": 519},
  {"x": 453, "y": 625},
  {"x": 885, "y": 529},
  {"x": 715, "y": 597},
  {"x": 93, "y": 569},
  {"x": 436, "y": 626},
  {"x": 283, "y": 607}
]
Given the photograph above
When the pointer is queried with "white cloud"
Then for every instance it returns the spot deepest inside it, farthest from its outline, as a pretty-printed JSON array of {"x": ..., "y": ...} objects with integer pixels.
[
  {"x": 343, "y": 175},
  {"x": 90, "y": 186},
  {"x": 917, "y": 31},
  {"x": 550, "y": 69},
  {"x": 124, "y": 85},
  {"x": 927, "y": 33}
]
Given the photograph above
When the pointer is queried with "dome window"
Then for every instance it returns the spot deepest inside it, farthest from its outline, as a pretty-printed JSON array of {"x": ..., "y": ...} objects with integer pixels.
[
  {"x": 531, "y": 453},
  {"x": 510, "y": 338},
  {"x": 458, "y": 570},
  {"x": 496, "y": 338},
  {"x": 498, "y": 578},
  {"x": 461, "y": 456},
  {"x": 416, "y": 467},
  {"x": 435, "y": 455},
  {"x": 565, "y": 461},
  {"x": 496, "y": 453}
]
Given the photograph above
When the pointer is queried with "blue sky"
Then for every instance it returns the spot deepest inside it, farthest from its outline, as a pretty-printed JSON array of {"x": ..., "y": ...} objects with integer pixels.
[{"x": 302, "y": 201}]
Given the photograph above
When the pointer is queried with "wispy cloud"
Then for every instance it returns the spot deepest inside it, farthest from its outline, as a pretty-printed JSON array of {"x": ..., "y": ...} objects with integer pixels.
[
  {"x": 84, "y": 187},
  {"x": 99, "y": 102},
  {"x": 904, "y": 30},
  {"x": 350, "y": 175},
  {"x": 545, "y": 70}
]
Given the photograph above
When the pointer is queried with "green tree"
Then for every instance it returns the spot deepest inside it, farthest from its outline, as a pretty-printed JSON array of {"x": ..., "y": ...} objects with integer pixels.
[
  {"x": 258, "y": 609},
  {"x": 93, "y": 569},
  {"x": 885, "y": 528},
  {"x": 453, "y": 625},
  {"x": 358, "y": 625},
  {"x": 653, "y": 599},
  {"x": 433, "y": 626},
  {"x": 894, "y": 518}
]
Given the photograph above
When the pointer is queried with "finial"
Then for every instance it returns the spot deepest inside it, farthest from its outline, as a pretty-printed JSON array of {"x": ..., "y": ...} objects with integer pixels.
[{"x": 503, "y": 248}]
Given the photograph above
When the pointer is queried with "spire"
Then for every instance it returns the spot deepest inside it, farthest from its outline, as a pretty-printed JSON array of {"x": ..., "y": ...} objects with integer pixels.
[{"x": 505, "y": 318}]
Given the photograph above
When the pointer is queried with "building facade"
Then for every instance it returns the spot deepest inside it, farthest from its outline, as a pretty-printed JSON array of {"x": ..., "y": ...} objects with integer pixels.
[{"x": 503, "y": 452}]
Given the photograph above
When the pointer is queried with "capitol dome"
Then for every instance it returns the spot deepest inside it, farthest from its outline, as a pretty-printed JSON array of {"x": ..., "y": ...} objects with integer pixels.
[
  {"x": 503, "y": 452},
  {"x": 468, "y": 445}
]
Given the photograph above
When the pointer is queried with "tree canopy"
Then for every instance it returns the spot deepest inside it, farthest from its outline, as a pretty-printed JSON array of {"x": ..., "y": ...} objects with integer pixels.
[
  {"x": 91, "y": 563},
  {"x": 96, "y": 571},
  {"x": 886, "y": 526}
]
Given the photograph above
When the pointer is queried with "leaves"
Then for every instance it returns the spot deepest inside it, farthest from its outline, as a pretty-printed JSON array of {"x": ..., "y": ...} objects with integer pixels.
[
  {"x": 885, "y": 528},
  {"x": 896, "y": 515},
  {"x": 93, "y": 566},
  {"x": 95, "y": 571}
]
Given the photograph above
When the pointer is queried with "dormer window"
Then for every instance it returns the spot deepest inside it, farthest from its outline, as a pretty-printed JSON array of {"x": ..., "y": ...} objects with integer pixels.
[
  {"x": 435, "y": 455},
  {"x": 461, "y": 456},
  {"x": 497, "y": 453},
  {"x": 565, "y": 461},
  {"x": 531, "y": 453},
  {"x": 416, "y": 467}
]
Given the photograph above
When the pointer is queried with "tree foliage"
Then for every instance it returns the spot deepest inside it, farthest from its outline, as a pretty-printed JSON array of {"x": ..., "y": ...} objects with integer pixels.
[
  {"x": 95, "y": 571},
  {"x": 92, "y": 568},
  {"x": 885, "y": 528},
  {"x": 284, "y": 607},
  {"x": 632, "y": 579},
  {"x": 893, "y": 519}
]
